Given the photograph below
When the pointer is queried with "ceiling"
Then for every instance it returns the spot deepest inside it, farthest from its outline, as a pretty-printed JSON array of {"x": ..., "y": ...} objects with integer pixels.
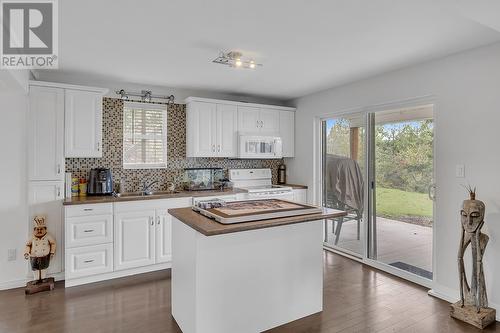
[{"x": 305, "y": 46}]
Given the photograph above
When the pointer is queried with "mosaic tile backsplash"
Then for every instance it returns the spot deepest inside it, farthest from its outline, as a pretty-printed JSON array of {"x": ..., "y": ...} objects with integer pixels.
[{"x": 112, "y": 147}]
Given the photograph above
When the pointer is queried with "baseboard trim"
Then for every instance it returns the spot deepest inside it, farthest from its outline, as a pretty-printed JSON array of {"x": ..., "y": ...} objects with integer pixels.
[
  {"x": 22, "y": 282},
  {"x": 114, "y": 275}
]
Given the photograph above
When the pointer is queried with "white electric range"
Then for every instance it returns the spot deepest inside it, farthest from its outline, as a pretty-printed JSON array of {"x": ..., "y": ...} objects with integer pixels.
[{"x": 257, "y": 184}]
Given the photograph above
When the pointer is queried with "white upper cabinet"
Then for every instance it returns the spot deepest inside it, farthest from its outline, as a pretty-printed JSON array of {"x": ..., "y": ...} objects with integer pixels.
[
  {"x": 248, "y": 119},
  {"x": 46, "y": 133},
  {"x": 253, "y": 120},
  {"x": 83, "y": 123},
  {"x": 269, "y": 121},
  {"x": 287, "y": 132},
  {"x": 227, "y": 130},
  {"x": 211, "y": 130},
  {"x": 213, "y": 126},
  {"x": 201, "y": 129}
]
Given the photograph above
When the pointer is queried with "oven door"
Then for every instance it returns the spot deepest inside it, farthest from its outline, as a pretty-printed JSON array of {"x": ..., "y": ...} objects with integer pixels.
[{"x": 260, "y": 147}]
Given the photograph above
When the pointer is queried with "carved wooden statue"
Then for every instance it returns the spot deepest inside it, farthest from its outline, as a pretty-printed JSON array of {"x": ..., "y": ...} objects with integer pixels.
[{"x": 473, "y": 304}]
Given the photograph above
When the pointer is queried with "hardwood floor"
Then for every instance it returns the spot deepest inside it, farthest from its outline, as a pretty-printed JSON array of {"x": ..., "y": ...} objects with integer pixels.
[{"x": 357, "y": 298}]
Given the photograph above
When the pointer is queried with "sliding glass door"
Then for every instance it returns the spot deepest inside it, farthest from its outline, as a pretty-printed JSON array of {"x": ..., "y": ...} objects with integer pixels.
[
  {"x": 344, "y": 163},
  {"x": 379, "y": 167},
  {"x": 402, "y": 161}
]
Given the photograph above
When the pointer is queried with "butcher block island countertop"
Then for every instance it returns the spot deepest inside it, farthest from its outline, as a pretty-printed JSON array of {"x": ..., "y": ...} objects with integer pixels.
[{"x": 209, "y": 227}]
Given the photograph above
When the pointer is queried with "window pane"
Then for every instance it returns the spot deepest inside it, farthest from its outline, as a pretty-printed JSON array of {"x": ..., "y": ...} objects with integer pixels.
[{"x": 144, "y": 135}]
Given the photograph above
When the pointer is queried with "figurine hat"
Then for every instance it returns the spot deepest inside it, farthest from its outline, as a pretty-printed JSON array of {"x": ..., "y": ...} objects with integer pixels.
[{"x": 39, "y": 221}]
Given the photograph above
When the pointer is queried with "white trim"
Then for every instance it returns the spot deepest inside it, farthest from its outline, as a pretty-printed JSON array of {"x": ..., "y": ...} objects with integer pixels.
[
  {"x": 317, "y": 179},
  {"x": 68, "y": 86},
  {"x": 116, "y": 274},
  {"x": 139, "y": 166},
  {"x": 145, "y": 105},
  {"x": 22, "y": 282},
  {"x": 164, "y": 136},
  {"x": 226, "y": 102}
]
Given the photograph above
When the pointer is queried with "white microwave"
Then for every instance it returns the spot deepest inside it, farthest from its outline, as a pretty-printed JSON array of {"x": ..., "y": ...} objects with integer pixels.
[{"x": 259, "y": 147}]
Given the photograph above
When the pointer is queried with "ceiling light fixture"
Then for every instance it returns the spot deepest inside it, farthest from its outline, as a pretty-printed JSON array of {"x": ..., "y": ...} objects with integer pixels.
[
  {"x": 145, "y": 95},
  {"x": 236, "y": 60}
]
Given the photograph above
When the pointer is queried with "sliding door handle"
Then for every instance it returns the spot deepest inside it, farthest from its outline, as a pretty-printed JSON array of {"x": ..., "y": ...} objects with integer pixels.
[{"x": 432, "y": 192}]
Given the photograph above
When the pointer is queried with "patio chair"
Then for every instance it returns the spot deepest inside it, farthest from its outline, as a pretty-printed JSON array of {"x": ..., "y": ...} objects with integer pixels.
[{"x": 344, "y": 191}]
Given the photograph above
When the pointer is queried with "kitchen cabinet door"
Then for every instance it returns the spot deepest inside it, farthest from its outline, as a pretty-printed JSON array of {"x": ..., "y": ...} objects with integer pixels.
[
  {"x": 248, "y": 120},
  {"x": 201, "y": 129},
  {"x": 46, "y": 133},
  {"x": 45, "y": 198},
  {"x": 83, "y": 123},
  {"x": 134, "y": 239},
  {"x": 269, "y": 122},
  {"x": 287, "y": 132},
  {"x": 227, "y": 130},
  {"x": 163, "y": 236}
]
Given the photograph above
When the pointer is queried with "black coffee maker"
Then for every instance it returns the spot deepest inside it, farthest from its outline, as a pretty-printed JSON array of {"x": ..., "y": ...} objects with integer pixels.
[{"x": 100, "y": 182}]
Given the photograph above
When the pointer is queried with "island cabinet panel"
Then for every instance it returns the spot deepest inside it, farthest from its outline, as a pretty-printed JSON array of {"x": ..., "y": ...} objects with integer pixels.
[
  {"x": 248, "y": 281},
  {"x": 134, "y": 239}
]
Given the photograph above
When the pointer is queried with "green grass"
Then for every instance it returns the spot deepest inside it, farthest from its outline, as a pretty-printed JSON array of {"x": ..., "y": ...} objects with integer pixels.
[{"x": 395, "y": 203}]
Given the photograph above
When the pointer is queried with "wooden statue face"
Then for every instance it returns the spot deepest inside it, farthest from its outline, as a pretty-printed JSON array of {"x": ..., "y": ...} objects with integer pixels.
[{"x": 472, "y": 215}]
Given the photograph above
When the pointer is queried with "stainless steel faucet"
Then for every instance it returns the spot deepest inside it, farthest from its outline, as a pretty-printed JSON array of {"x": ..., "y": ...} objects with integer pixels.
[{"x": 146, "y": 188}]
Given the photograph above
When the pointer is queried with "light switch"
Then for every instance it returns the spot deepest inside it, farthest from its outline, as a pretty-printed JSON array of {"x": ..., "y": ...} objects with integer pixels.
[{"x": 460, "y": 171}]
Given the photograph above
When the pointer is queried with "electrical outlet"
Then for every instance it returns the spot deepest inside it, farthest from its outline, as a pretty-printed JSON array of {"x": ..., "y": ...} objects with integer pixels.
[{"x": 11, "y": 254}]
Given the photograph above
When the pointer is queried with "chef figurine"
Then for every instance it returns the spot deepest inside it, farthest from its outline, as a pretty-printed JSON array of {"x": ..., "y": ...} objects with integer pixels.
[{"x": 40, "y": 249}]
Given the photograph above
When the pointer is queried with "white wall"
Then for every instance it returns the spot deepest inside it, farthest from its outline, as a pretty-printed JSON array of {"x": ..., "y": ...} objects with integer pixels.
[
  {"x": 467, "y": 118},
  {"x": 13, "y": 180}
]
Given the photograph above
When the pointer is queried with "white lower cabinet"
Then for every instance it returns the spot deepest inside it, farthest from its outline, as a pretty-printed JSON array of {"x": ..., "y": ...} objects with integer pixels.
[
  {"x": 89, "y": 260},
  {"x": 110, "y": 240},
  {"x": 163, "y": 236},
  {"x": 45, "y": 199},
  {"x": 134, "y": 239}
]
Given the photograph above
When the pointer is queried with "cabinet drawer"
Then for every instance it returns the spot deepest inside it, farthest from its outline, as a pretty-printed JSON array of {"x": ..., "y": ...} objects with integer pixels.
[
  {"x": 90, "y": 209},
  {"x": 89, "y": 260},
  {"x": 89, "y": 230}
]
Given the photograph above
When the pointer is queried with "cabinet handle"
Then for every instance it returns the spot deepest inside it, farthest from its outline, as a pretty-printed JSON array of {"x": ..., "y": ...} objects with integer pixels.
[
  {"x": 158, "y": 220},
  {"x": 151, "y": 220},
  {"x": 213, "y": 148},
  {"x": 218, "y": 148},
  {"x": 58, "y": 191},
  {"x": 98, "y": 146},
  {"x": 59, "y": 169},
  {"x": 88, "y": 261},
  {"x": 88, "y": 230}
]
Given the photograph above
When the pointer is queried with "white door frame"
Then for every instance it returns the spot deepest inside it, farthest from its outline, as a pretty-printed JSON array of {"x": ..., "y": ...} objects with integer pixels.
[{"x": 318, "y": 181}]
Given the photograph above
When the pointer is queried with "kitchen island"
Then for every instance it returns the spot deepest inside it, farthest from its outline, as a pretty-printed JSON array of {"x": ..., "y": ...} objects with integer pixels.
[{"x": 245, "y": 277}]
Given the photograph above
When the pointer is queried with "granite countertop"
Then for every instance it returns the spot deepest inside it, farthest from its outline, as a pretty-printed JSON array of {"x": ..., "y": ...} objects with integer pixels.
[
  {"x": 160, "y": 195},
  {"x": 209, "y": 227}
]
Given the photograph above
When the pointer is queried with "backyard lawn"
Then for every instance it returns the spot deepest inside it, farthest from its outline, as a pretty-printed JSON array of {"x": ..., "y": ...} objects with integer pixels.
[{"x": 394, "y": 203}]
